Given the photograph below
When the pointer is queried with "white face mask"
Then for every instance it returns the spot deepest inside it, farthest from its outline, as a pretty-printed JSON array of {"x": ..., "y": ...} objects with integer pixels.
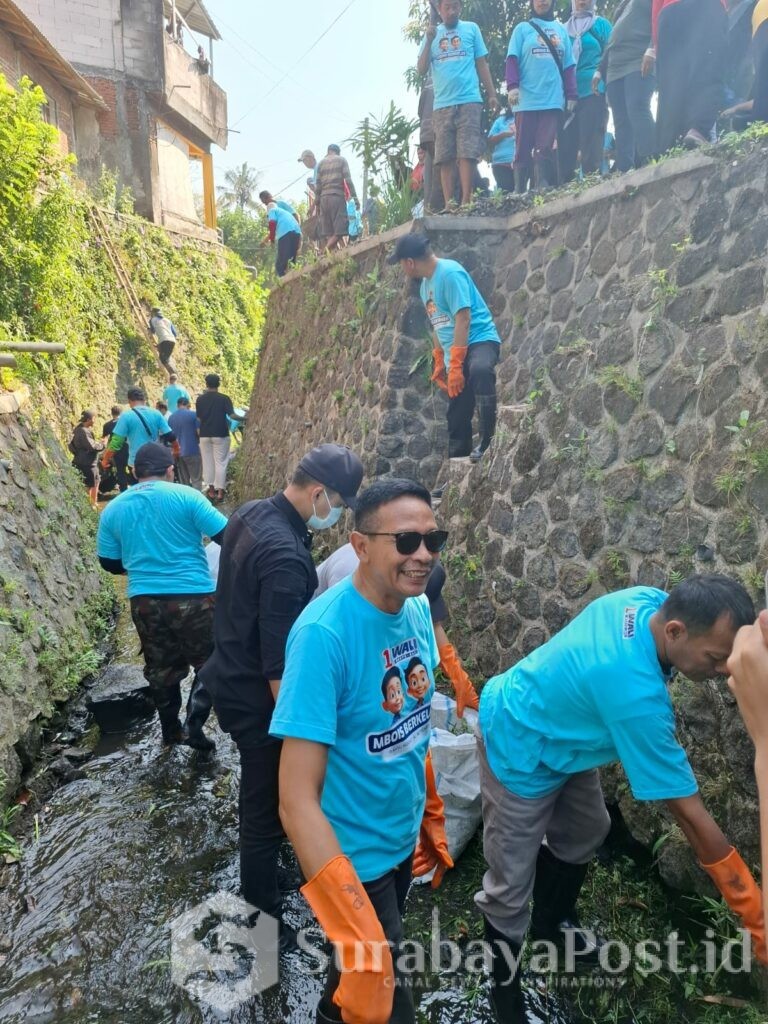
[{"x": 316, "y": 523}]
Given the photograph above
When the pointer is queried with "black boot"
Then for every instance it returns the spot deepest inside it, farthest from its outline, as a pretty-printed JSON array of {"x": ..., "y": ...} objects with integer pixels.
[
  {"x": 168, "y": 702},
  {"x": 506, "y": 991},
  {"x": 486, "y": 414},
  {"x": 198, "y": 710},
  {"x": 555, "y": 892}
]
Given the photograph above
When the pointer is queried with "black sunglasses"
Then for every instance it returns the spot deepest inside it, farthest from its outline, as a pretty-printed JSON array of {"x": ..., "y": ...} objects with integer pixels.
[{"x": 409, "y": 542}]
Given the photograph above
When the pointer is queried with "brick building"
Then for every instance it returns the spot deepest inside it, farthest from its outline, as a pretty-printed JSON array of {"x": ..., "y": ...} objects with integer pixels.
[
  {"x": 72, "y": 102},
  {"x": 163, "y": 108}
]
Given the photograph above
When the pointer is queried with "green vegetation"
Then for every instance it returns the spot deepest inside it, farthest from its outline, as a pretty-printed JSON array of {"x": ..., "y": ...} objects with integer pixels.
[
  {"x": 616, "y": 376},
  {"x": 57, "y": 284}
]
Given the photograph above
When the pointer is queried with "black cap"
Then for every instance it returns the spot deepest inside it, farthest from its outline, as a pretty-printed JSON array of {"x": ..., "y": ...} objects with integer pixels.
[
  {"x": 410, "y": 247},
  {"x": 335, "y": 466},
  {"x": 152, "y": 459}
]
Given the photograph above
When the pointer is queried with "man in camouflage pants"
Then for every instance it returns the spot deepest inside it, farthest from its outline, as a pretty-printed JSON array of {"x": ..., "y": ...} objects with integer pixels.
[{"x": 154, "y": 533}]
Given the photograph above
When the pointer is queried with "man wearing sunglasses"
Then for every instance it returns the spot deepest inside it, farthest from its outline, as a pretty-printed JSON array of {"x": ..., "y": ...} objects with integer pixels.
[
  {"x": 266, "y": 577},
  {"x": 353, "y": 786},
  {"x": 466, "y": 342}
]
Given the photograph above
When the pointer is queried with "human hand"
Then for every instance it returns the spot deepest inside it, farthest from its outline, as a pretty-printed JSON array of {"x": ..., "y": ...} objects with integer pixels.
[
  {"x": 432, "y": 849},
  {"x": 513, "y": 97},
  {"x": 748, "y": 679},
  {"x": 493, "y": 103},
  {"x": 571, "y": 105},
  {"x": 648, "y": 65},
  {"x": 596, "y": 80},
  {"x": 431, "y": 32}
]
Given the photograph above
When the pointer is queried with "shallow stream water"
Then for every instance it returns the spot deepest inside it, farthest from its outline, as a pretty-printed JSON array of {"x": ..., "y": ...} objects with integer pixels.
[{"x": 143, "y": 836}]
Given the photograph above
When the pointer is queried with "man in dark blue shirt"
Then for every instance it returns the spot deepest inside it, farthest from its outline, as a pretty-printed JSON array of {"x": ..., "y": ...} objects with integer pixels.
[
  {"x": 266, "y": 579},
  {"x": 189, "y": 464}
]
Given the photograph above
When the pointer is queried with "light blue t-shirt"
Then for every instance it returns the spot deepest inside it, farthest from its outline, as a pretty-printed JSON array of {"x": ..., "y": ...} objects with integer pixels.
[
  {"x": 360, "y": 681},
  {"x": 129, "y": 425},
  {"x": 156, "y": 529},
  {"x": 504, "y": 151},
  {"x": 171, "y": 396},
  {"x": 452, "y": 58},
  {"x": 281, "y": 213},
  {"x": 448, "y": 290},
  {"x": 355, "y": 219},
  {"x": 541, "y": 87},
  {"x": 593, "y": 694},
  {"x": 593, "y": 44}
]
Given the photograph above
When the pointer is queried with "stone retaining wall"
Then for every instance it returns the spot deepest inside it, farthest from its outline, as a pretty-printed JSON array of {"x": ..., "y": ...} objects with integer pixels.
[{"x": 633, "y": 438}]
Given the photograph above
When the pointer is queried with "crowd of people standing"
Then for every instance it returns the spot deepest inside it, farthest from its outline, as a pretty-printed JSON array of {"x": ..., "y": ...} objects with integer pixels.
[
  {"x": 199, "y": 438},
  {"x": 564, "y": 78}
]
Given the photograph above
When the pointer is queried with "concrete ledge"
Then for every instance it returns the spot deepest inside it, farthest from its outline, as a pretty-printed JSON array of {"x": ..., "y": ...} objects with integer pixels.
[
  {"x": 12, "y": 401},
  {"x": 623, "y": 184}
]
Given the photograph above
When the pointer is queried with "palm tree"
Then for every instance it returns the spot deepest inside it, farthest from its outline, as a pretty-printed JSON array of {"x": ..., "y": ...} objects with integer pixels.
[{"x": 241, "y": 185}]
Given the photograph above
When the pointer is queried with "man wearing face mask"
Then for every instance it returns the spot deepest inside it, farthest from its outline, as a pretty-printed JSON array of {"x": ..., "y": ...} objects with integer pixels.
[{"x": 266, "y": 578}]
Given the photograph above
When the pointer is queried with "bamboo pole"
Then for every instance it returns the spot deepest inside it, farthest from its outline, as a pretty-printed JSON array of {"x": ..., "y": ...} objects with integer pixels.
[
  {"x": 31, "y": 346},
  {"x": 7, "y": 361}
]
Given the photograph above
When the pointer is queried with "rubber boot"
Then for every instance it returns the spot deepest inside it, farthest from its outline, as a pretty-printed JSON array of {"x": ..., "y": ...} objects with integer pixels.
[
  {"x": 198, "y": 710},
  {"x": 486, "y": 414},
  {"x": 167, "y": 700},
  {"x": 506, "y": 990},
  {"x": 555, "y": 892}
]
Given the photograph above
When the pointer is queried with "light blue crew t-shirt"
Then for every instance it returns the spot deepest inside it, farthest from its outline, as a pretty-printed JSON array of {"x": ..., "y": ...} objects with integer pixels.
[
  {"x": 156, "y": 530},
  {"x": 448, "y": 290},
  {"x": 452, "y": 58},
  {"x": 541, "y": 85},
  {"x": 504, "y": 151},
  {"x": 281, "y": 213},
  {"x": 360, "y": 681},
  {"x": 140, "y": 427},
  {"x": 593, "y": 45},
  {"x": 171, "y": 395},
  {"x": 593, "y": 694}
]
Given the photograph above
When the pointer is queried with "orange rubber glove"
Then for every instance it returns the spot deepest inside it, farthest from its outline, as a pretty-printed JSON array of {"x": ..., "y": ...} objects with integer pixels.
[
  {"x": 106, "y": 458},
  {"x": 466, "y": 694},
  {"x": 432, "y": 849},
  {"x": 742, "y": 894},
  {"x": 175, "y": 449},
  {"x": 456, "y": 371},
  {"x": 439, "y": 374},
  {"x": 342, "y": 906}
]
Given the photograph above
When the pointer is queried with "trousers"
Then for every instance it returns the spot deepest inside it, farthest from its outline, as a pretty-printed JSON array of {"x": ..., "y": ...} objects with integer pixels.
[
  {"x": 635, "y": 130},
  {"x": 690, "y": 65},
  {"x": 287, "y": 250},
  {"x": 574, "y": 820},
  {"x": 214, "y": 452},
  {"x": 189, "y": 469},
  {"x": 582, "y": 141},
  {"x": 387, "y": 894},
  {"x": 479, "y": 392}
]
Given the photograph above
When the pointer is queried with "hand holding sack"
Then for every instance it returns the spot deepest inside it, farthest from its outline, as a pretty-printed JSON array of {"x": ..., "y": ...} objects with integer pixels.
[
  {"x": 456, "y": 371},
  {"x": 464, "y": 691},
  {"x": 343, "y": 908},
  {"x": 742, "y": 894},
  {"x": 432, "y": 850},
  {"x": 106, "y": 459},
  {"x": 439, "y": 372}
]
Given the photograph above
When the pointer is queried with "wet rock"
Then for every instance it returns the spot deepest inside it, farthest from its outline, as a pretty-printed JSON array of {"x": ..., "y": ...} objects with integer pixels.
[
  {"x": 64, "y": 770},
  {"x": 532, "y": 639},
  {"x": 564, "y": 541},
  {"x": 119, "y": 696},
  {"x": 555, "y": 614},
  {"x": 526, "y": 599}
]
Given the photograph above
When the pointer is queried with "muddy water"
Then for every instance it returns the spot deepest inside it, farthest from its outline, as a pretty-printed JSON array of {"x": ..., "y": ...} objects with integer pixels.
[{"x": 144, "y": 835}]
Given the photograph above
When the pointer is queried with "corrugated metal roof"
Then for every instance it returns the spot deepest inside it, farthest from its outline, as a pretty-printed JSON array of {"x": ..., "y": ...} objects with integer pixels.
[
  {"x": 195, "y": 15},
  {"x": 29, "y": 38}
]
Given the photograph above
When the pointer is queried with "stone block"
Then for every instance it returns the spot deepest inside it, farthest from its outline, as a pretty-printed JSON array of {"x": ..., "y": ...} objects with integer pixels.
[{"x": 741, "y": 291}]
